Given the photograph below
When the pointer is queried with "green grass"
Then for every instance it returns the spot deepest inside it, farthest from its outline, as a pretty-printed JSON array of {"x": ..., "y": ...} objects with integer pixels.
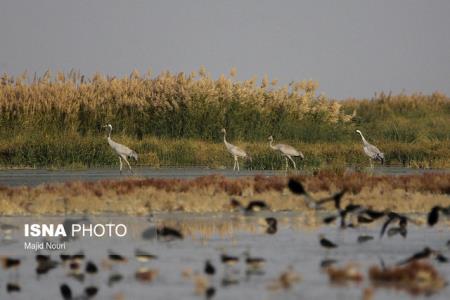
[
  {"x": 93, "y": 151},
  {"x": 175, "y": 120}
]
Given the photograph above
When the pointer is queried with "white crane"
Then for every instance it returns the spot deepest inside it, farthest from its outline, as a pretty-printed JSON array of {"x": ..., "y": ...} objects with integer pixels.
[
  {"x": 121, "y": 150},
  {"x": 235, "y": 151},
  {"x": 286, "y": 151},
  {"x": 371, "y": 151}
]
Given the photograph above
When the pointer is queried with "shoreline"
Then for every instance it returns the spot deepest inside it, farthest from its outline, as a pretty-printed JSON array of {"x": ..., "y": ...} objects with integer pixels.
[{"x": 212, "y": 194}]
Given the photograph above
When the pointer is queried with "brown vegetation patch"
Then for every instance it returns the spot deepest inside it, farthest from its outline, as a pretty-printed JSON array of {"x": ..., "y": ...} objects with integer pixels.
[{"x": 411, "y": 193}]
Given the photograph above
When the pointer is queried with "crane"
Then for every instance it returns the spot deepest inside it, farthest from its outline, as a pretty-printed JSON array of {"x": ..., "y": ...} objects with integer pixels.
[
  {"x": 121, "y": 150},
  {"x": 234, "y": 151},
  {"x": 286, "y": 151},
  {"x": 371, "y": 151}
]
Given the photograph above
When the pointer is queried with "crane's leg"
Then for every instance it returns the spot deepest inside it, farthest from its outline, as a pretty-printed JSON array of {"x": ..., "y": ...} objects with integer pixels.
[
  {"x": 293, "y": 162},
  {"x": 120, "y": 164},
  {"x": 287, "y": 164},
  {"x": 126, "y": 160},
  {"x": 237, "y": 163},
  {"x": 234, "y": 166}
]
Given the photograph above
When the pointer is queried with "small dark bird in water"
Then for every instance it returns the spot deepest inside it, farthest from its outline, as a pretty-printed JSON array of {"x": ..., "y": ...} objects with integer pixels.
[
  {"x": 65, "y": 257},
  {"x": 144, "y": 256},
  {"x": 66, "y": 292},
  {"x": 336, "y": 198},
  {"x": 235, "y": 204},
  {"x": 228, "y": 280},
  {"x": 114, "y": 278},
  {"x": 433, "y": 215},
  {"x": 441, "y": 258},
  {"x": 256, "y": 205},
  {"x": 254, "y": 264},
  {"x": 330, "y": 219},
  {"x": 8, "y": 262},
  {"x": 402, "y": 222},
  {"x": 326, "y": 243},
  {"x": 210, "y": 292},
  {"x": 397, "y": 230},
  {"x": 44, "y": 266},
  {"x": 297, "y": 188},
  {"x": 90, "y": 291},
  {"x": 91, "y": 268},
  {"x": 272, "y": 225},
  {"x": 169, "y": 233},
  {"x": 116, "y": 257},
  {"x": 229, "y": 260},
  {"x": 427, "y": 252},
  {"x": 327, "y": 263},
  {"x": 209, "y": 268},
  {"x": 364, "y": 238},
  {"x": 364, "y": 219},
  {"x": 12, "y": 288}
]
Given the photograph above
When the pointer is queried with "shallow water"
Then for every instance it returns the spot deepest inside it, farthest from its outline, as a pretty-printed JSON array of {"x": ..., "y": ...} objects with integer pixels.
[
  {"x": 33, "y": 177},
  {"x": 206, "y": 237}
]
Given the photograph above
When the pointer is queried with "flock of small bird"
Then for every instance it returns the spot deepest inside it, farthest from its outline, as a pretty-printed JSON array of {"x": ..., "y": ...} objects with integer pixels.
[
  {"x": 350, "y": 216},
  {"x": 396, "y": 222}
]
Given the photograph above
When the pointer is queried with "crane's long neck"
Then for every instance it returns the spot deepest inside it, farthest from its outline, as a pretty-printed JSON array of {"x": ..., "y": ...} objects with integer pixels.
[
  {"x": 271, "y": 146},
  {"x": 109, "y": 133},
  {"x": 225, "y": 138},
  {"x": 363, "y": 139}
]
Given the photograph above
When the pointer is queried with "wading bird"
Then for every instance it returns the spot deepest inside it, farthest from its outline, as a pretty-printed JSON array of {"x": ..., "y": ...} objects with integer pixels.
[
  {"x": 286, "y": 151},
  {"x": 235, "y": 151},
  {"x": 425, "y": 253},
  {"x": 209, "y": 269},
  {"x": 326, "y": 243},
  {"x": 371, "y": 151},
  {"x": 121, "y": 150},
  {"x": 402, "y": 222},
  {"x": 272, "y": 225},
  {"x": 433, "y": 215}
]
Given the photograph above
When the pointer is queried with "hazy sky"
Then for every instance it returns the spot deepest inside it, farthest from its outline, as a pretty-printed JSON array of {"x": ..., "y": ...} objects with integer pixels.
[{"x": 353, "y": 48}]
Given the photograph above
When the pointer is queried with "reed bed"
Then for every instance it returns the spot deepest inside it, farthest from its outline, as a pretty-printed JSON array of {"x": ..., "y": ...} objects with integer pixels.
[
  {"x": 409, "y": 193},
  {"x": 175, "y": 120}
]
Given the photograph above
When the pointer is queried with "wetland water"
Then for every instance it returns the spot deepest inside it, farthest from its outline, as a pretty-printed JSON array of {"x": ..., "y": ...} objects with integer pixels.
[
  {"x": 33, "y": 177},
  {"x": 206, "y": 237}
]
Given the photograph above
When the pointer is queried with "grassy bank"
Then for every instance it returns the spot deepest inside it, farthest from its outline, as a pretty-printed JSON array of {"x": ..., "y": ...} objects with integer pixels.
[
  {"x": 74, "y": 151},
  {"x": 175, "y": 120}
]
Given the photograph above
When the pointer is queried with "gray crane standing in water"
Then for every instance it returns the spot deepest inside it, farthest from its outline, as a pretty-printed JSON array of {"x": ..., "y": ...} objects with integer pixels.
[
  {"x": 286, "y": 151},
  {"x": 121, "y": 150},
  {"x": 371, "y": 151},
  {"x": 235, "y": 151}
]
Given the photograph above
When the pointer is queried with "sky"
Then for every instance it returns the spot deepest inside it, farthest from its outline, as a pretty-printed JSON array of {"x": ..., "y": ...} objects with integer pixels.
[{"x": 353, "y": 48}]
